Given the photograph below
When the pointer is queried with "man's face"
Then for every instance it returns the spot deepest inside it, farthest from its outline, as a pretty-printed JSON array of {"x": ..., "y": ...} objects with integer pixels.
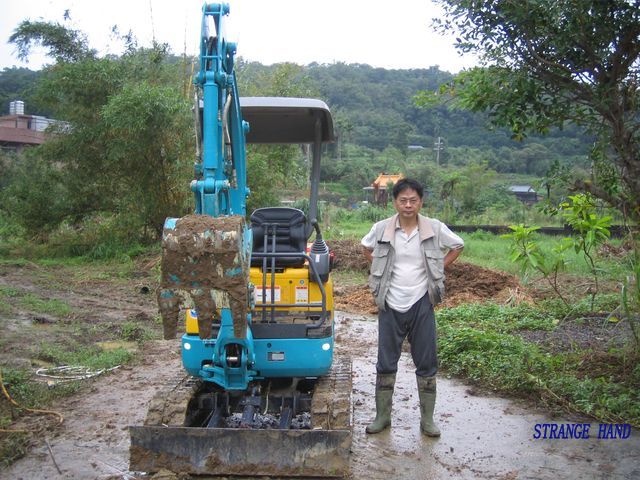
[{"x": 408, "y": 203}]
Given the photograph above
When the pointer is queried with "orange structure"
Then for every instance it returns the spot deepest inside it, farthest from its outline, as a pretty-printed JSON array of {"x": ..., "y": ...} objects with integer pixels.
[{"x": 381, "y": 187}]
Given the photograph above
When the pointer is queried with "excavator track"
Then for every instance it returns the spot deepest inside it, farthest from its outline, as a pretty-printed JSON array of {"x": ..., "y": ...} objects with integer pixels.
[
  {"x": 322, "y": 451},
  {"x": 331, "y": 404},
  {"x": 170, "y": 403}
]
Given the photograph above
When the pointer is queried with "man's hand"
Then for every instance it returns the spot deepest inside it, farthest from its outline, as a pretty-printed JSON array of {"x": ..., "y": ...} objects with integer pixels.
[
  {"x": 367, "y": 253},
  {"x": 451, "y": 256}
]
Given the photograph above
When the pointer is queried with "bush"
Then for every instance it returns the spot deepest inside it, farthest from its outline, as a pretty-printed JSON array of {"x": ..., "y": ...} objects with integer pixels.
[
  {"x": 35, "y": 197},
  {"x": 373, "y": 213}
]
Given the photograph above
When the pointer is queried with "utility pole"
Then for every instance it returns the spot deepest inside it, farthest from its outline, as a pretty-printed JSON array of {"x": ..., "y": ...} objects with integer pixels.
[{"x": 438, "y": 147}]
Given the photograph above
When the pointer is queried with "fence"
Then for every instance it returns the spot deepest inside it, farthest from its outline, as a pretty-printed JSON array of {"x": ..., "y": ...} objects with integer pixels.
[{"x": 617, "y": 231}]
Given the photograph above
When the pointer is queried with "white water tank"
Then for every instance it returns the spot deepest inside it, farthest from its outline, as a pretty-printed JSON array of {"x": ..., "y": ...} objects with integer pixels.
[{"x": 16, "y": 107}]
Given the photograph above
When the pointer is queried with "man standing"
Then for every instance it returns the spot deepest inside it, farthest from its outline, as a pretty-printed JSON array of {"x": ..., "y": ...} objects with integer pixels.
[{"x": 408, "y": 253}]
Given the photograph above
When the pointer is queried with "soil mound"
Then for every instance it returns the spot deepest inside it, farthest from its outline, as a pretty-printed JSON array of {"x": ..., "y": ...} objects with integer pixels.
[
  {"x": 465, "y": 282},
  {"x": 348, "y": 255}
]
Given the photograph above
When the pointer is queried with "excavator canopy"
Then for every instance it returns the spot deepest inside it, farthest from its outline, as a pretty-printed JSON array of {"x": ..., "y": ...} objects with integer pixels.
[{"x": 276, "y": 120}]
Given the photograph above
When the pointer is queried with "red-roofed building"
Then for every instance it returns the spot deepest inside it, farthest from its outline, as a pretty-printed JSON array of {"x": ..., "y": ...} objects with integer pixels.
[{"x": 18, "y": 130}]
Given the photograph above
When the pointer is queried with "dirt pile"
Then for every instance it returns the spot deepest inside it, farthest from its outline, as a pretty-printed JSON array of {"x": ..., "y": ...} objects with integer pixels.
[
  {"x": 465, "y": 282},
  {"x": 348, "y": 255},
  {"x": 470, "y": 283}
]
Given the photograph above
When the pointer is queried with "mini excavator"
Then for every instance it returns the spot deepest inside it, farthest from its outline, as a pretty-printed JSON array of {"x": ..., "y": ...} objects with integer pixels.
[{"x": 263, "y": 392}]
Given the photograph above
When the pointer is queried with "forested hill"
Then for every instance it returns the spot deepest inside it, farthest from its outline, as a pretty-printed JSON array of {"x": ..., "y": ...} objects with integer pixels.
[{"x": 374, "y": 108}]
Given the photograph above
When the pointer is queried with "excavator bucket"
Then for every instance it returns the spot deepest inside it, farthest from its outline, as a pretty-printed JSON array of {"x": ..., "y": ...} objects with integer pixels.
[
  {"x": 223, "y": 451},
  {"x": 206, "y": 258},
  {"x": 321, "y": 451}
]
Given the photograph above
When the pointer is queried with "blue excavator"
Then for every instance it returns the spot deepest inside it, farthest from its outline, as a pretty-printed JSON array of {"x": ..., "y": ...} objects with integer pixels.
[{"x": 264, "y": 392}]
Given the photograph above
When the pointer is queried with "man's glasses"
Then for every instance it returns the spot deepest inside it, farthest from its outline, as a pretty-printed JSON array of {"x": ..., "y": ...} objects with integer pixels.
[{"x": 410, "y": 201}]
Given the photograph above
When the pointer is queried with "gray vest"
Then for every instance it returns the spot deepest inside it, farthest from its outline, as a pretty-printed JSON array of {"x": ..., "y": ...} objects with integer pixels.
[{"x": 384, "y": 254}]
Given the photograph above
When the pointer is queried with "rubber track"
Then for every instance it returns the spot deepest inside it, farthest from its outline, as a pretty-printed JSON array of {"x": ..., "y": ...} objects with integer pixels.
[
  {"x": 169, "y": 405},
  {"x": 331, "y": 404}
]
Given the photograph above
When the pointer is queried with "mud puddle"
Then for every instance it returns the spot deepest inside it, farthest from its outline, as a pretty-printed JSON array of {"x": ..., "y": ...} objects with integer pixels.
[{"x": 482, "y": 436}]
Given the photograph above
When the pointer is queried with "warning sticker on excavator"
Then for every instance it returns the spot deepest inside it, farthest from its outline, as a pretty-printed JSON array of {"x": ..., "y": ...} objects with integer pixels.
[
  {"x": 267, "y": 291},
  {"x": 302, "y": 295}
]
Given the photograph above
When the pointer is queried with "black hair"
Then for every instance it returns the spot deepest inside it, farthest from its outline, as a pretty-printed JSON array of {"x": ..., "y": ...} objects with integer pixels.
[{"x": 405, "y": 184}]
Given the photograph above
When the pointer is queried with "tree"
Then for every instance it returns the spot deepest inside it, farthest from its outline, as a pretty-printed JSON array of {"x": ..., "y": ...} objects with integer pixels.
[
  {"x": 272, "y": 168},
  {"x": 127, "y": 137},
  {"x": 550, "y": 62},
  {"x": 64, "y": 44}
]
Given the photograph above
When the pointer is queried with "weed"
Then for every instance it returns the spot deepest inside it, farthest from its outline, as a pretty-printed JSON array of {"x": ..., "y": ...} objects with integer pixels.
[
  {"x": 477, "y": 341},
  {"x": 33, "y": 303},
  {"x": 30, "y": 394},
  {"x": 54, "y": 307},
  {"x": 9, "y": 292},
  {"x": 134, "y": 332},
  {"x": 5, "y": 307},
  {"x": 349, "y": 277},
  {"x": 92, "y": 357}
]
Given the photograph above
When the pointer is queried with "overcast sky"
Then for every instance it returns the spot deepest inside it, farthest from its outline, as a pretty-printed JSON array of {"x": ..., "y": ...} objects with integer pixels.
[{"x": 388, "y": 34}]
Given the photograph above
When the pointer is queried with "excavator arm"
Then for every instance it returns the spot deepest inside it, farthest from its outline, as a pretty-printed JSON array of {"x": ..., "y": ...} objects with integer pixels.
[{"x": 205, "y": 256}]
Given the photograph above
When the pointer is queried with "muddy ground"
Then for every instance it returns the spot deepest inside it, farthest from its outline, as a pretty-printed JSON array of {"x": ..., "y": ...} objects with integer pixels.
[{"x": 484, "y": 436}]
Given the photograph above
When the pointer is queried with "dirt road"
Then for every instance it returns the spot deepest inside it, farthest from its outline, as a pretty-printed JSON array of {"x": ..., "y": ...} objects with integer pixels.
[{"x": 483, "y": 436}]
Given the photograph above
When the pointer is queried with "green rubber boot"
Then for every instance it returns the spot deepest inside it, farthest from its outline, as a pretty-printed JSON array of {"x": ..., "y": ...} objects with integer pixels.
[
  {"x": 427, "y": 394},
  {"x": 384, "y": 399}
]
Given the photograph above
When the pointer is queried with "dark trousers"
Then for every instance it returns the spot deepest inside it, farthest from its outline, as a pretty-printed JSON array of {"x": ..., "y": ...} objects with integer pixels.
[{"x": 419, "y": 325}]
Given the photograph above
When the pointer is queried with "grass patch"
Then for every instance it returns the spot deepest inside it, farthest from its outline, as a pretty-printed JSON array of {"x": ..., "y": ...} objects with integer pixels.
[
  {"x": 482, "y": 343},
  {"x": 135, "y": 332},
  {"x": 91, "y": 356},
  {"x": 344, "y": 278},
  {"x": 33, "y": 303},
  {"x": 36, "y": 304},
  {"x": 29, "y": 393},
  {"x": 492, "y": 251},
  {"x": 9, "y": 292}
]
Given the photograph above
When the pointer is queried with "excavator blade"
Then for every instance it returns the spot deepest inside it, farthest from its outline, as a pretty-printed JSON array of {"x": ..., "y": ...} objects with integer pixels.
[
  {"x": 208, "y": 259},
  {"x": 224, "y": 451}
]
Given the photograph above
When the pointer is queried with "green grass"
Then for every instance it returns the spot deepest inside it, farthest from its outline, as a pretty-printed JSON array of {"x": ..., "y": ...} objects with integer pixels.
[
  {"x": 29, "y": 393},
  {"x": 480, "y": 342},
  {"x": 491, "y": 251},
  {"x": 36, "y": 304},
  {"x": 9, "y": 291},
  {"x": 91, "y": 356},
  {"x": 349, "y": 277},
  {"x": 33, "y": 303},
  {"x": 134, "y": 332}
]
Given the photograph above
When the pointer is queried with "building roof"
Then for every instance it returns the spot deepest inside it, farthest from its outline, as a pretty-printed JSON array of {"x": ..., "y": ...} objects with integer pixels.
[
  {"x": 522, "y": 189},
  {"x": 383, "y": 179},
  {"x": 21, "y": 130}
]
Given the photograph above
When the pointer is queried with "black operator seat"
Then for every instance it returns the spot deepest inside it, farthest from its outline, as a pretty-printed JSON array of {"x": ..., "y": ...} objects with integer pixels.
[{"x": 289, "y": 226}]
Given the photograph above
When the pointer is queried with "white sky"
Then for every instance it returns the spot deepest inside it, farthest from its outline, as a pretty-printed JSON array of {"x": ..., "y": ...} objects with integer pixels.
[{"x": 388, "y": 34}]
